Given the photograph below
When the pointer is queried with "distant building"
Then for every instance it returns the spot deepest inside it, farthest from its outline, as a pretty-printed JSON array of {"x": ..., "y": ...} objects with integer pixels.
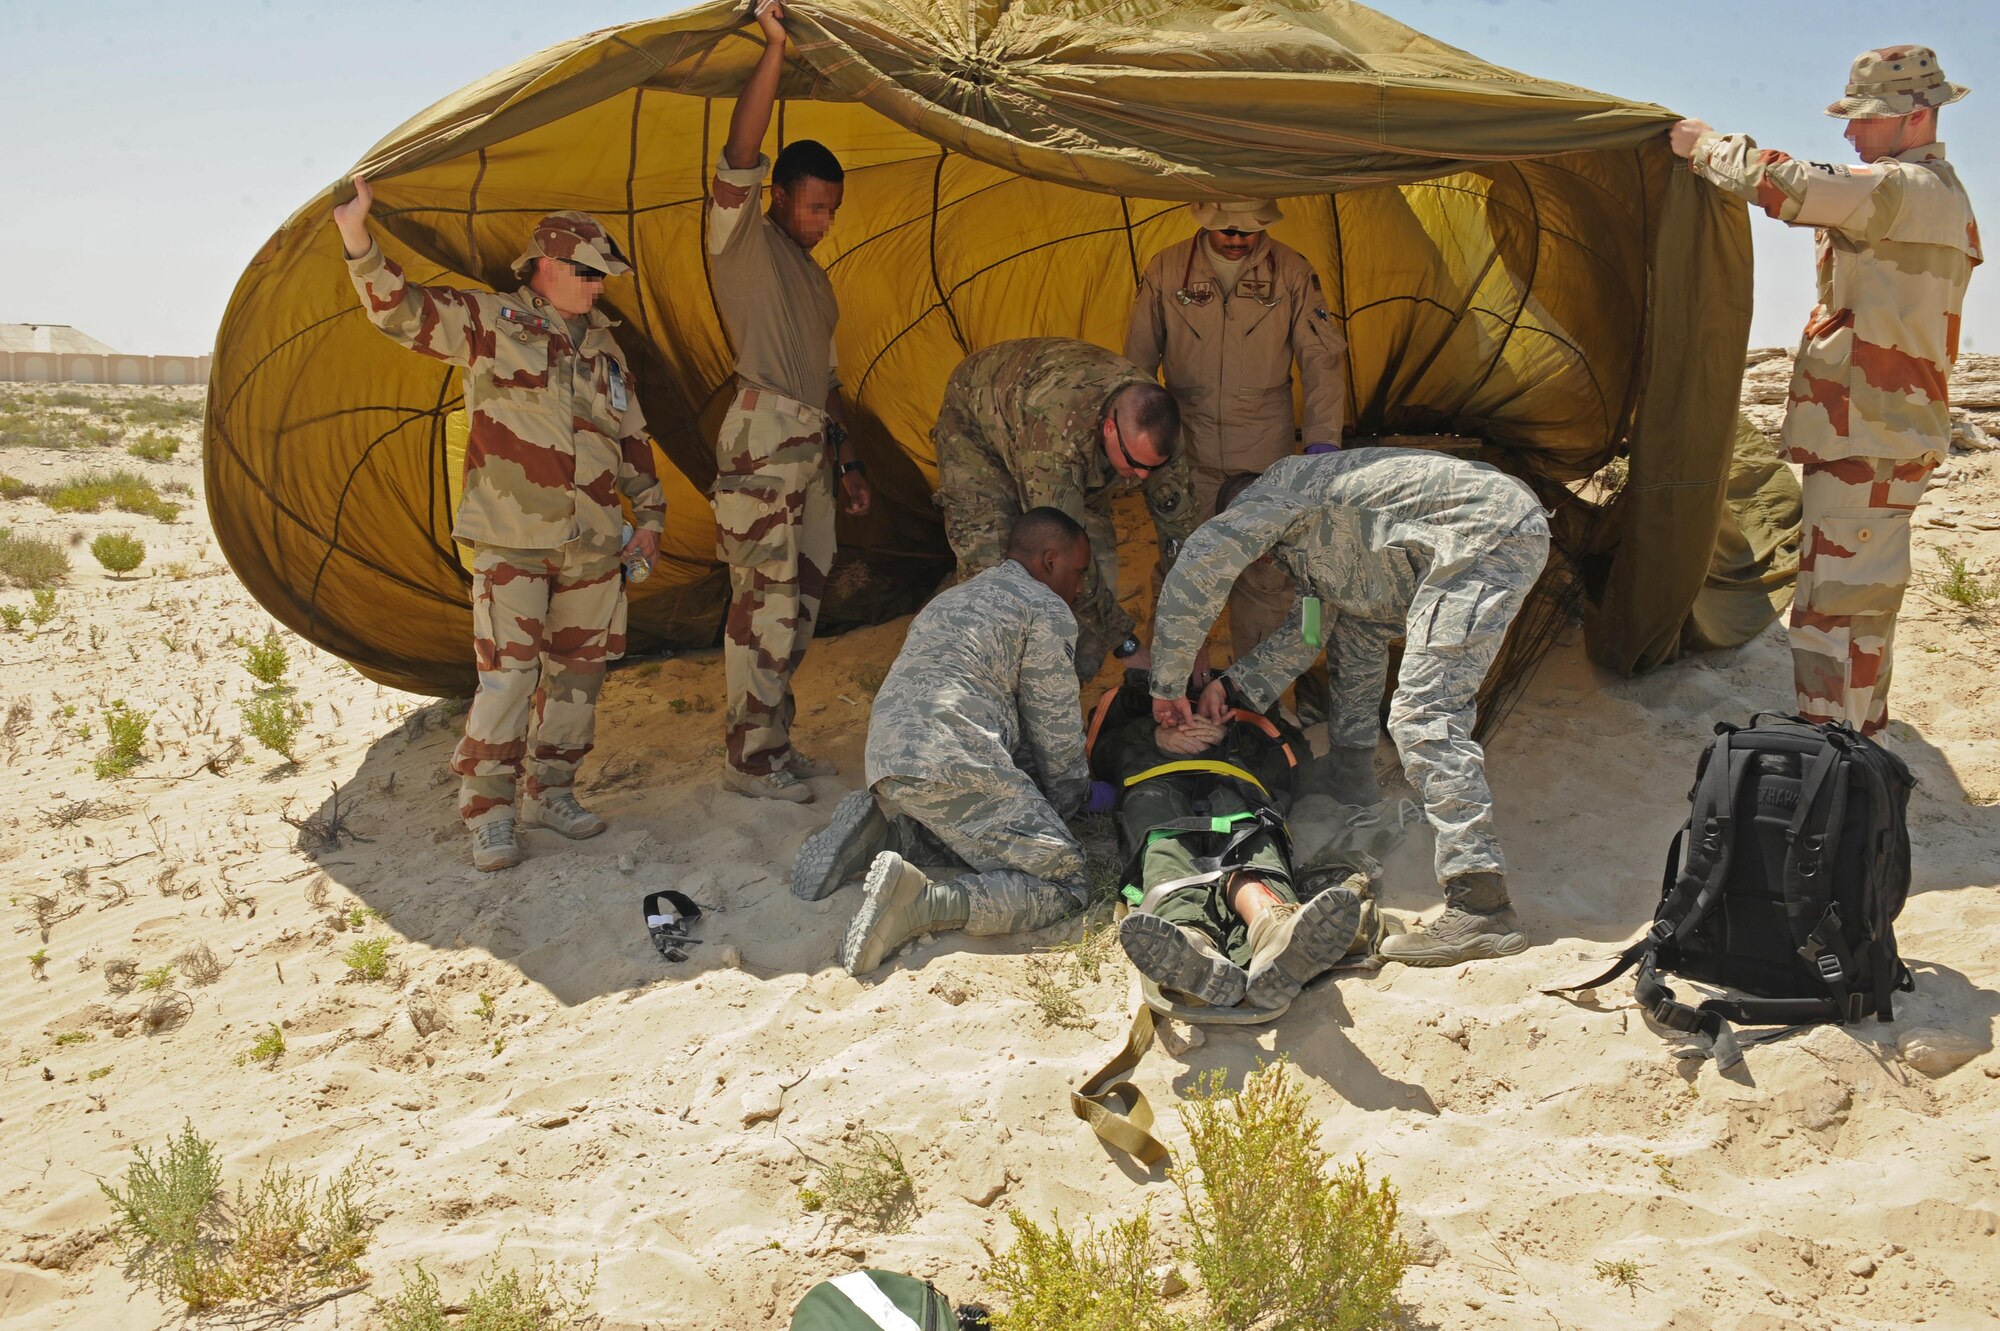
[{"x": 59, "y": 354}]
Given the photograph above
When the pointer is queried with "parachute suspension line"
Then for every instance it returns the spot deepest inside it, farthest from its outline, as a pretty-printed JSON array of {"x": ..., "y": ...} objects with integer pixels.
[
  {"x": 937, "y": 283},
  {"x": 1346, "y": 327},
  {"x": 1131, "y": 245},
  {"x": 631, "y": 212},
  {"x": 472, "y": 207},
  {"x": 1525, "y": 285}
]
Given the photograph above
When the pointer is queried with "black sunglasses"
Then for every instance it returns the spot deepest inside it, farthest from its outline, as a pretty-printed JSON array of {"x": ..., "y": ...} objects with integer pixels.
[
  {"x": 1239, "y": 235},
  {"x": 1119, "y": 436},
  {"x": 584, "y": 271}
]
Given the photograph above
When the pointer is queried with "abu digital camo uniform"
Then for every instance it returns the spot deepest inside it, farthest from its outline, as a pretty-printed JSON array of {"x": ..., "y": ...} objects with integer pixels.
[
  {"x": 1227, "y": 351},
  {"x": 1869, "y": 413},
  {"x": 977, "y": 734},
  {"x": 555, "y": 437},
  {"x": 774, "y": 507},
  {"x": 1392, "y": 543},
  {"x": 1019, "y": 429}
]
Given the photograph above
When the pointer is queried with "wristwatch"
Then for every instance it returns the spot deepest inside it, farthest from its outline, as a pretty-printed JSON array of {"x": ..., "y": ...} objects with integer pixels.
[
  {"x": 1129, "y": 647},
  {"x": 854, "y": 466}
]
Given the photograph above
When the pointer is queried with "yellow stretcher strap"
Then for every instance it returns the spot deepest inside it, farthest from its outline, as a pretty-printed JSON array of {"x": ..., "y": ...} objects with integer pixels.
[{"x": 1211, "y": 765}]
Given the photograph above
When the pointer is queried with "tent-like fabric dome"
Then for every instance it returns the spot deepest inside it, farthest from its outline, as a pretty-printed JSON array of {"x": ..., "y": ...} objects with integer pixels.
[{"x": 1510, "y": 258}]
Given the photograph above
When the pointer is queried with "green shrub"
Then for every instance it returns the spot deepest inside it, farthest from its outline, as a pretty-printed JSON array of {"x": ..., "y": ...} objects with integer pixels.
[
  {"x": 268, "y": 660},
  {"x": 119, "y": 551},
  {"x": 270, "y": 1046},
  {"x": 869, "y": 1184},
  {"x": 1285, "y": 1240},
  {"x": 70, "y": 397},
  {"x": 125, "y": 491},
  {"x": 13, "y": 487},
  {"x": 274, "y": 723},
  {"x": 158, "y": 978},
  {"x": 1960, "y": 585},
  {"x": 154, "y": 447},
  {"x": 368, "y": 958},
  {"x": 44, "y": 607},
  {"x": 275, "y": 1242},
  {"x": 126, "y": 731},
  {"x": 30, "y": 561},
  {"x": 10, "y": 618},
  {"x": 500, "y": 1301},
  {"x": 162, "y": 411}
]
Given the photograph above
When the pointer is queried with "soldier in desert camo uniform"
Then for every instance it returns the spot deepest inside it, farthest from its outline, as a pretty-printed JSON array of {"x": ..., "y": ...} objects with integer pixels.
[
  {"x": 784, "y": 433},
  {"x": 1869, "y": 412},
  {"x": 1051, "y": 421},
  {"x": 556, "y": 437}
]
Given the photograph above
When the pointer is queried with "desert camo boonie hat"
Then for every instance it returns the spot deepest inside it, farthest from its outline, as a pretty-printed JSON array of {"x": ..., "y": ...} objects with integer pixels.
[
  {"x": 578, "y": 237},
  {"x": 1894, "y": 81},
  {"x": 1236, "y": 214}
]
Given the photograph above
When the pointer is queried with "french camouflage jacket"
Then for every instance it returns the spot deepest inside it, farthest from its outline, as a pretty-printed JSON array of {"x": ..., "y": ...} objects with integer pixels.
[
  {"x": 1229, "y": 362},
  {"x": 1377, "y": 536},
  {"x": 555, "y": 430},
  {"x": 987, "y": 672},
  {"x": 1896, "y": 246}
]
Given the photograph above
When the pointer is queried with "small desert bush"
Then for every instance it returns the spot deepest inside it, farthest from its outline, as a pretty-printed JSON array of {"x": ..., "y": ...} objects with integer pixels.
[
  {"x": 500, "y": 1301},
  {"x": 269, "y": 1047},
  {"x": 119, "y": 551},
  {"x": 70, "y": 397},
  {"x": 126, "y": 491},
  {"x": 125, "y": 729},
  {"x": 869, "y": 1183},
  {"x": 278, "y": 1240},
  {"x": 13, "y": 487},
  {"x": 268, "y": 660},
  {"x": 30, "y": 561},
  {"x": 161, "y": 411},
  {"x": 275, "y": 723},
  {"x": 1959, "y": 585},
  {"x": 10, "y": 618},
  {"x": 43, "y": 608},
  {"x": 1284, "y": 1238},
  {"x": 368, "y": 958},
  {"x": 154, "y": 447}
]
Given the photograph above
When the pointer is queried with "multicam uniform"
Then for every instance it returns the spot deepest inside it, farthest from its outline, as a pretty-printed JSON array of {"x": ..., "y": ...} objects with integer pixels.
[
  {"x": 1018, "y": 429},
  {"x": 556, "y": 436},
  {"x": 1227, "y": 349},
  {"x": 984, "y": 688},
  {"x": 1869, "y": 411},
  {"x": 1389, "y": 543},
  {"x": 774, "y": 506}
]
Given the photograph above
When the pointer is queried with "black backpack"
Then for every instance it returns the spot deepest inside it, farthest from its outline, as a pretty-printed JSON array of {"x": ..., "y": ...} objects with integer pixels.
[{"x": 1796, "y": 864}]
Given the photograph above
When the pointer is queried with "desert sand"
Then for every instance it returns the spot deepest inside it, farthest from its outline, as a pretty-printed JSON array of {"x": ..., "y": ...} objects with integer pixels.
[{"x": 600, "y": 1103}]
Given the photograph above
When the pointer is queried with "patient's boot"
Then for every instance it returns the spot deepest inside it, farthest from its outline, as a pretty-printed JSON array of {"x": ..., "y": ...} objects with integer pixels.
[
  {"x": 1291, "y": 944},
  {"x": 899, "y": 903},
  {"x": 829, "y": 857},
  {"x": 1177, "y": 957}
]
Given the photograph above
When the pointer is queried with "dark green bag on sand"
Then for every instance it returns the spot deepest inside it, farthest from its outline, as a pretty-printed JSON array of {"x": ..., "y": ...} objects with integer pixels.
[{"x": 874, "y": 1301}]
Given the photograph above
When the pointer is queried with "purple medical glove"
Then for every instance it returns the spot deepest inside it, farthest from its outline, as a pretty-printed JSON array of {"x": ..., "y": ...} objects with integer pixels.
[
  {"x": 1314, "y": 450},
  {"x": 1101, "y": 797}
]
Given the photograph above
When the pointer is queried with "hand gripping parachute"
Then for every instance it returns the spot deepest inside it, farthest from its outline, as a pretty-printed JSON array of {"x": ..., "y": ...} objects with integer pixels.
[{"x": 1513, "y": 261}]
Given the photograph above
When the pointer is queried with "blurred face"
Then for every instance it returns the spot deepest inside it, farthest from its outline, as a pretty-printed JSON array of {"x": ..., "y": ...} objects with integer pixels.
[
  {"x": 805, "y": 211},
  {"x": 1065, "y": 569},
  {"x": 1234, "y": 244},
  {"x": 1876, "y": 139},
  {"x": 567, "y": 286}
]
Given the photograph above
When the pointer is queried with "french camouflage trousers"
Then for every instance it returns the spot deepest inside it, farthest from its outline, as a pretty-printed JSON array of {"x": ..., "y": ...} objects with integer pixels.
[
  {"x": 1435, "y": 703},
  {"x": 774, "y": 528},
  {"x": 1025, "y": 868},
  {"x": 980, "y": 502},
  {"x": 1854, "y": 565},
  {"x": 545, "y": 624},
  {"x": 1167, "y": 856}
]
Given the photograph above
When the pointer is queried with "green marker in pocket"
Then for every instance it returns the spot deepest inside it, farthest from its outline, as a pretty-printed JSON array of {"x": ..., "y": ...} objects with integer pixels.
[{"x": 1309, "y": 621}]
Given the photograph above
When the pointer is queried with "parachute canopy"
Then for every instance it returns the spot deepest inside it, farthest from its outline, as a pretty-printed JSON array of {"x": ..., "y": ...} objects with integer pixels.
[{"x": 1511, "y": 259}]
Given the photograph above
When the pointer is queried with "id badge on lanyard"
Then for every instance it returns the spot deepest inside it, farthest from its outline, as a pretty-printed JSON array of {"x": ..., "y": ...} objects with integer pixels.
[{"x": 618, "y": 397}]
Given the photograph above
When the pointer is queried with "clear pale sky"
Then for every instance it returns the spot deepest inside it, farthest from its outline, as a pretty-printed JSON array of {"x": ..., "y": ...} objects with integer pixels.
[{"x": 151, "y": 147}]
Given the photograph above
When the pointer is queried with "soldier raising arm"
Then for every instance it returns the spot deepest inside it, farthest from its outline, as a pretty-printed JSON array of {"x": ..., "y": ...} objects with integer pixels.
[
  {"x": 555, "y": 436},
  {"x": 783, "y": 435}
]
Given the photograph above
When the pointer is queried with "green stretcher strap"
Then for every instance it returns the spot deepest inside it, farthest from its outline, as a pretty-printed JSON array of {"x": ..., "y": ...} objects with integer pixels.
[
  {"x": 1116, "y": 1110},
  {"x": 1132, "y": 892}
]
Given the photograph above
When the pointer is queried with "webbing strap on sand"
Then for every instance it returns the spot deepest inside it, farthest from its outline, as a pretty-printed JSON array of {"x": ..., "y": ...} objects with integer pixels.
[{"x": 1115, "y": 1109}]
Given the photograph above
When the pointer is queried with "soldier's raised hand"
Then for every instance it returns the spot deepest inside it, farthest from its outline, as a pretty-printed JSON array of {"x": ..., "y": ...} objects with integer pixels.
[
  {"x": 351, "y": 218},
  {"x": 1681, "y": 138},
  {"x": 770, "y": 16}
]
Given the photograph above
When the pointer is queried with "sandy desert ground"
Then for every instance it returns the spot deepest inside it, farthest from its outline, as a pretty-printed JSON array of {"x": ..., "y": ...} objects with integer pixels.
[{"x": 573, "y": 1097}]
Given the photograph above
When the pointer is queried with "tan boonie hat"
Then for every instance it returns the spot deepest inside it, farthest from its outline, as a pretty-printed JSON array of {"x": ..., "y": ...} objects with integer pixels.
[
  {"x": 578, "y": 237},
  {"x": 1894, "y": 81},
  {"x": 1236, "y": 214}
]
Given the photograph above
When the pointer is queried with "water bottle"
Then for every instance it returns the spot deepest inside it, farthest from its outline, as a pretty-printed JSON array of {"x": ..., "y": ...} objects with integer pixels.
[{"x": 636, "y": 568}]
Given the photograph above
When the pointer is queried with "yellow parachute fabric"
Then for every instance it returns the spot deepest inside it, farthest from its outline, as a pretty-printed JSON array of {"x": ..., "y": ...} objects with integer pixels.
[{"x": 1510, "y": 258}]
